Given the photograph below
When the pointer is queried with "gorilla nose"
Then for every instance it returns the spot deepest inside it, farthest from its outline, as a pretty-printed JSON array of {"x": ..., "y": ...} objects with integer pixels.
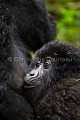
[{"x": 31, "y": 74}]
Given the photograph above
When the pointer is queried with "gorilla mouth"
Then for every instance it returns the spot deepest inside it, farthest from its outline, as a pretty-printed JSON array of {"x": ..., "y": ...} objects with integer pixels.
[
  {"x": 27, "y": 85},
  {"x": 32, "y": 82}
]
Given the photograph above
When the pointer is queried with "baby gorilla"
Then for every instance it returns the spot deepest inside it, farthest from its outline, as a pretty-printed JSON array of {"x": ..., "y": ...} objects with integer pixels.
[{"x": 54, "y": 62}]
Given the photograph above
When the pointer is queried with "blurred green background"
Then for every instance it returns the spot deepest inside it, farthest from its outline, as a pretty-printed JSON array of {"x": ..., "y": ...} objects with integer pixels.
[{"x": 67, "y": 15}]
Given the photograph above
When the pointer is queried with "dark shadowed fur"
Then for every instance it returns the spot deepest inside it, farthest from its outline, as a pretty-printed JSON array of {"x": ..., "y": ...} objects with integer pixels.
[
  {"x": 65, "y": 64},
  {"x": 13, "y": 106}
]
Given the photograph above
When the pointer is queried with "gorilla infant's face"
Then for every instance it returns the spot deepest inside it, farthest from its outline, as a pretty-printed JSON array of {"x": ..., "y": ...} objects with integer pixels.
[{"x": 39, "y": 74}]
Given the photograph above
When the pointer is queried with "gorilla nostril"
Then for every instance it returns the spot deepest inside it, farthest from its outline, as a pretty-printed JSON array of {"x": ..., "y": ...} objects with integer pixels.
[{"x": 32, "y": 74}]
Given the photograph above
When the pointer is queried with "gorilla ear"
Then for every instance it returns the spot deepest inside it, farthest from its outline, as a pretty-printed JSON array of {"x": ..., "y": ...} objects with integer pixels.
[{"x": 52, "y": 20}]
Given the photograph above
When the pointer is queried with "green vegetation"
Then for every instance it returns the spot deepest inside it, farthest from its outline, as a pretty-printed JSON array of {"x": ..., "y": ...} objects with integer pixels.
[{"x": 67, "y": 15}]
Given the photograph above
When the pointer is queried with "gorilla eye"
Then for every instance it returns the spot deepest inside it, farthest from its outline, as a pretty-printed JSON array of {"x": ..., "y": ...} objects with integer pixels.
[
  {"x": 46, "y": 65},
  {"x": 37, "y": 64},
  {"x": 48, "y": 58}
]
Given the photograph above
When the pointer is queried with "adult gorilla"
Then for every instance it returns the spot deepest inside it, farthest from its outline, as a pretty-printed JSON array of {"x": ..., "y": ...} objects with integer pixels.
[{"x": 24, "y": 25}]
